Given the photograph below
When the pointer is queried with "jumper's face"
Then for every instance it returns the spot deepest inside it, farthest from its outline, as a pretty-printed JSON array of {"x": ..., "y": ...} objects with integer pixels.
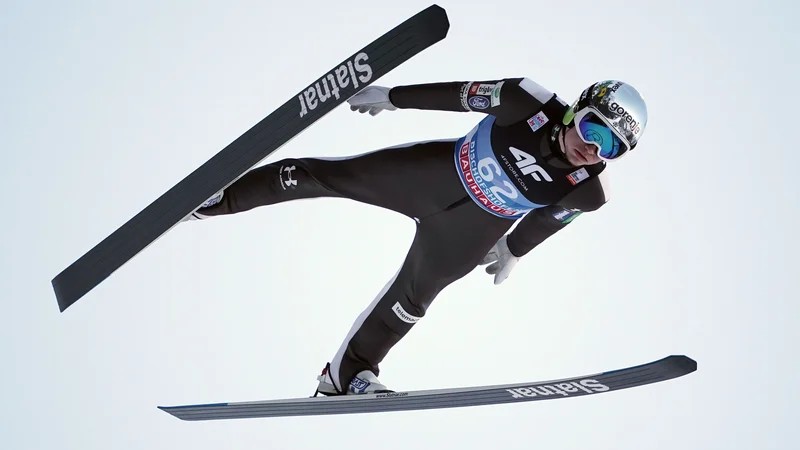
[{"x": 577, "y": 152}]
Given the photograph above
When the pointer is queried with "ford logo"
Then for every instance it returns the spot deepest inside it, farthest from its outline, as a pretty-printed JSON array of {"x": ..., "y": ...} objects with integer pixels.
[{"x": 479, "y": 102}]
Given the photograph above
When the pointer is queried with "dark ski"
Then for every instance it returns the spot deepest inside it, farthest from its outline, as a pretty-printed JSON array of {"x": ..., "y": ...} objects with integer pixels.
[
  {"x": 324, "y": 94},
  {"x": 654, "y": 372}
]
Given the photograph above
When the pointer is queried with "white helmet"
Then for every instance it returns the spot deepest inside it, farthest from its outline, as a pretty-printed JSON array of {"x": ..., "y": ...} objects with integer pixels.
[{"x": 610, "y": 114}]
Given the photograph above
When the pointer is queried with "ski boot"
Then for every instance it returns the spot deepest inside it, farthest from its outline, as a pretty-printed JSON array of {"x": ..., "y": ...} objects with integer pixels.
[
  {"x": 365, "y": 382},
  {"x": 210, "y": 202}
]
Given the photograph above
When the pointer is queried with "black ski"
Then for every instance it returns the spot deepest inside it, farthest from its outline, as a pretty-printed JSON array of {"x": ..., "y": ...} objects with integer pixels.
[
  {"x": 327, "y": 92},
  {"x": 654, "y": 372}
]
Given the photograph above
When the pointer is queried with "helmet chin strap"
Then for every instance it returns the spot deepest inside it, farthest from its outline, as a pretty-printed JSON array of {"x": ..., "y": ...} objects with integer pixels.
[
  {"x": 563, "y": 144},
  {"x": 557, "y": 146}
]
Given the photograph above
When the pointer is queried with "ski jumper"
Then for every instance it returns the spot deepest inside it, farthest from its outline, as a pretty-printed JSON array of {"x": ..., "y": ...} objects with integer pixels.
[{"x": 464, "y": 194}]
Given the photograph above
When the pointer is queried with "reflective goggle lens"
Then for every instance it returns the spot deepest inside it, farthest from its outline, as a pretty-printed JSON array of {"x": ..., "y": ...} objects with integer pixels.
[{"x": 594, "y": 131}]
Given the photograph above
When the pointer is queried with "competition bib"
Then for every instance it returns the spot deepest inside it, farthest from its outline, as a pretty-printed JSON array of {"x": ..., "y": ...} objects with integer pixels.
[{"x": 483, "y": 177}]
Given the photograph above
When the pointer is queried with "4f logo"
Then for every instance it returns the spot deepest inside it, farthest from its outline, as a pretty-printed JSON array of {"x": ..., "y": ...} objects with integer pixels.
[
  {"x": 527, "y": 165},
  {"x": 289, "y": 181}
]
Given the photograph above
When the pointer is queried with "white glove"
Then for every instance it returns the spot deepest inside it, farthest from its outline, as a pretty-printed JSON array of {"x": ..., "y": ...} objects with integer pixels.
[
  {"x": 502, "y": 261},
  {"x": 372, "y": 99}
]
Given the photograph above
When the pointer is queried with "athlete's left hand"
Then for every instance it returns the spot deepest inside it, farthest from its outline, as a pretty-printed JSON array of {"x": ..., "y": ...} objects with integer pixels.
[
  {"x": 372, "y": 99},
  {"x": 501, "y": 259}
]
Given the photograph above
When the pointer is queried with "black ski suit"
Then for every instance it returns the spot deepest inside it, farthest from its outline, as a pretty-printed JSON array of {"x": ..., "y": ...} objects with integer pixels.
[{"x": 466, "y": 194}]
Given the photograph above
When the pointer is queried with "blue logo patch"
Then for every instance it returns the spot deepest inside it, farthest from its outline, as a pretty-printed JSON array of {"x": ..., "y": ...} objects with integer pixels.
[
  {"x": 479, "y": 102},
  {"x": 357, "y": 385}
]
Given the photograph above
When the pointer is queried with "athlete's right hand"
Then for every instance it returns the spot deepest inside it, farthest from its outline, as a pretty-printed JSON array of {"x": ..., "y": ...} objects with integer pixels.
[
  {"x": 501, "y": 261},
  {"x": 373, "y": 99}
]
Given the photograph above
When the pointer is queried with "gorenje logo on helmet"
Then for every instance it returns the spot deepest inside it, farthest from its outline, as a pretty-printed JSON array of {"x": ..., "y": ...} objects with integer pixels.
[
  {"x": 339, "y": 79},
  {"x": 633, "y": 125}
]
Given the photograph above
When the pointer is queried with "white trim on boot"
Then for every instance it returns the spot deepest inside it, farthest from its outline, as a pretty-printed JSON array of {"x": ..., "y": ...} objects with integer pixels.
[{"x": 365, "y": 382}]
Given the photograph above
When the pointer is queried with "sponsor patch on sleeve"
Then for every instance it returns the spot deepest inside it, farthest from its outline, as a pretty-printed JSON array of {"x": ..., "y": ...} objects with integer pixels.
[
  {"x": 477, "y": 96},
  {"x": 464, "y": 94},
  {"x": 479, "y": 102},
  {"x": 496, "y": 94},
  {"x": 482, "y": 89},
  {"x": 567, "y": 215}
]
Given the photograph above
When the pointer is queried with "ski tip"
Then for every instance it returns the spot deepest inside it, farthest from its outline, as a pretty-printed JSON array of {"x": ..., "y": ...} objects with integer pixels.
[
  {"x": 677, "y": 365},
  {"x": 684, "y": 364},
  {"x": 435, "y": 9},
  {"x": 437, "y": 18}
]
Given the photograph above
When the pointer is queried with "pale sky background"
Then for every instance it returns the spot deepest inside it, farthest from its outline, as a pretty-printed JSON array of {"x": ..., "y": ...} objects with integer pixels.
[{"x": 106, "y": 105}]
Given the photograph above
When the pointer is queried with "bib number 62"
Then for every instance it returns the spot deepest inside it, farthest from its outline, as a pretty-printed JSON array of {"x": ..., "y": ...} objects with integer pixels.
[{"x": 488, "y": 167}]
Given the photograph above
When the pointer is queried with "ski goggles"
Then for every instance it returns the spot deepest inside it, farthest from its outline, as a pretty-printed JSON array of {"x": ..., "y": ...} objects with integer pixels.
[{"x": 592, "y": 129}]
